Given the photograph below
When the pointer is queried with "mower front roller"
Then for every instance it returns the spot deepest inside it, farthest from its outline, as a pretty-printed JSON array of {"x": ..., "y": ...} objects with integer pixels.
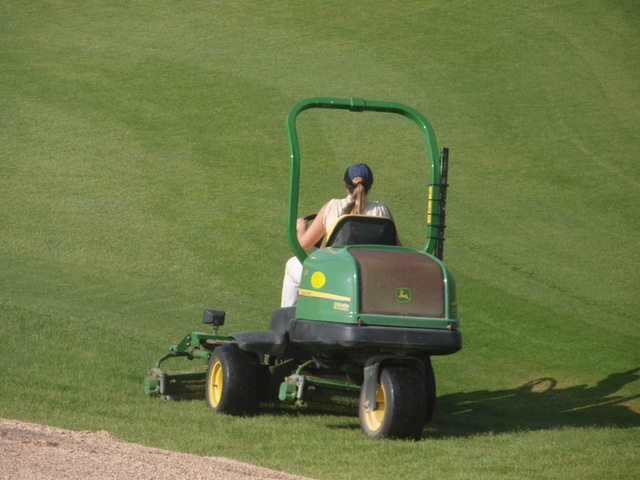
[{"x": 183, "y": 383}]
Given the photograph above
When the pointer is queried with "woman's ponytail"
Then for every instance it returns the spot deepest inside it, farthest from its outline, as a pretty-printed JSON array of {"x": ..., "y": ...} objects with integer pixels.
[{"x": 359, "y": 195}]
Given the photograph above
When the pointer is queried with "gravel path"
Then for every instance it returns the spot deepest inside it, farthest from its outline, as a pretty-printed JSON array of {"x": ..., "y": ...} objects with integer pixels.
[{"x": 29, "y": 451}]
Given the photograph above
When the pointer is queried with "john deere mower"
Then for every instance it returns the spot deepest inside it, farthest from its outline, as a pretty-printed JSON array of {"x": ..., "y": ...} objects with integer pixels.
[{"x": 370, "y": 315}]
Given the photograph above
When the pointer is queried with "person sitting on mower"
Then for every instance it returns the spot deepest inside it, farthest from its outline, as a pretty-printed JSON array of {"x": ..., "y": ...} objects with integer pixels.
[{"x": 357, "y": 181}]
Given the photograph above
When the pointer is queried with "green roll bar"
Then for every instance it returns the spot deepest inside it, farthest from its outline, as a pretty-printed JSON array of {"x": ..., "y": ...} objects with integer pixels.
[{"x": 360, "y": 105}]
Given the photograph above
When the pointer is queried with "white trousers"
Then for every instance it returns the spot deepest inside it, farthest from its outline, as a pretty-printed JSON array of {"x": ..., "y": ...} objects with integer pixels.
[{"x": 291, "y": 282}]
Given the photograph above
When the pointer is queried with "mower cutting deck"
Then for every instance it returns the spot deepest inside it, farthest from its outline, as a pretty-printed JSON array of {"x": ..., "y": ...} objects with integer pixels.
[{"x": 370, "y": 315}]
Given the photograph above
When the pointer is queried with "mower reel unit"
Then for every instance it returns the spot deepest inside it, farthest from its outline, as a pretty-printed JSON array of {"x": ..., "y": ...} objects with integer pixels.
[{"x": 370, "y": 315}]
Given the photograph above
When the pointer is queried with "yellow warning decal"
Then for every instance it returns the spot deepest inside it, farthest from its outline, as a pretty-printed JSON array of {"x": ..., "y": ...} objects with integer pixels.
[
  {"x": 429, "y": 205},
  {"x": 326, "y": 296},
  {"x": 318, "y": 279}
]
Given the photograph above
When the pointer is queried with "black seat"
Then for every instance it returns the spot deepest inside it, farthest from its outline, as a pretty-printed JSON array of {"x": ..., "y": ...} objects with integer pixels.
[{"x": 361, "y": 230}]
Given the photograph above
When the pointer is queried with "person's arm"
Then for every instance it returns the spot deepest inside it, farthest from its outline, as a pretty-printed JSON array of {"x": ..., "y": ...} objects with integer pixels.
[{"x": 308, "y": 235}]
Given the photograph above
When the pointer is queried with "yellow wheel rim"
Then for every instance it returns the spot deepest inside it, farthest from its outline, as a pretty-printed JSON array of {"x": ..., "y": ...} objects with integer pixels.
[
  {"x": 374, "y": 418},
  {"x": 214, "y": 387}
]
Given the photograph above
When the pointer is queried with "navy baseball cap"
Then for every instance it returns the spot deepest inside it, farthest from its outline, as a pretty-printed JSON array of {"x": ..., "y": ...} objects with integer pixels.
[{"x": 359, "y": 170}]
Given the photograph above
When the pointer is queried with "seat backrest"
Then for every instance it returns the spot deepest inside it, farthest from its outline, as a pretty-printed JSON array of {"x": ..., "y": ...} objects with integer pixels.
[{"x": 361, "y": 230}]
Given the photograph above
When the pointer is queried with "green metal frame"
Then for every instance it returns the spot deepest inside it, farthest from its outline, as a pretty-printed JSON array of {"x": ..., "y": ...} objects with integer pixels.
[
  {"x": 195, "y": 345},
  {"x": 360, "y": 105},
  {"x": 303, "y": 388},
  {"x": 184, "y": 382}
]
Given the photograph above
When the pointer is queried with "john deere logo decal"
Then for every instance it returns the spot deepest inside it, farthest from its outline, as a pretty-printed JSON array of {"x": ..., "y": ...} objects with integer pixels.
[{"x": 403, "y": 295}]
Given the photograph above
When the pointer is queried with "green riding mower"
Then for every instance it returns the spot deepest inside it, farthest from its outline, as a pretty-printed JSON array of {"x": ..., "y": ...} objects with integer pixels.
[{"x": 370, "y": 315}]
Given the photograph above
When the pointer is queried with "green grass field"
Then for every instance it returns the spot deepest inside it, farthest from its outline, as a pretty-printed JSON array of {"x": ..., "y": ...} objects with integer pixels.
[{"x": 143, "y": 178}]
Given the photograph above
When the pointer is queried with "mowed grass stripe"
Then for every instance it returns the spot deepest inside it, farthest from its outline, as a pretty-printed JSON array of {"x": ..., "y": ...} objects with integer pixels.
[{"x": 143, "y": 176}]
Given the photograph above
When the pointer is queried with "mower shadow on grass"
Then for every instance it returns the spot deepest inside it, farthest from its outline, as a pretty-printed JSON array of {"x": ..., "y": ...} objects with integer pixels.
[{"x": 536, "y": 405}]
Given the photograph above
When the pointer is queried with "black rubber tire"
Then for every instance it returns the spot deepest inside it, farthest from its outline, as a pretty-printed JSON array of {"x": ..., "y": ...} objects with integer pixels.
[
  {"x": 235, "y": 381},
  {"x": 401, "y": 405},
  {"x": 430, "y": 388}
]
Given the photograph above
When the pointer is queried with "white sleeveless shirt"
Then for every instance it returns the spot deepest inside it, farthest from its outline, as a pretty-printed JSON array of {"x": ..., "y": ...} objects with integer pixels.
[{"x": 335, "y": 208}]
